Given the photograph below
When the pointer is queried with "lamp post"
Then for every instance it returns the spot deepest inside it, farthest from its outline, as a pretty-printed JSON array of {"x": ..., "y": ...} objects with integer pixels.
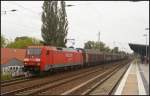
[
  {"x": 69, "y": 5},
  {"x": 13, "y": 10},
  {"x": 72, "y": 40},
  {"x": 146, "y": 44},
  {"x": 146, "y": 40}
]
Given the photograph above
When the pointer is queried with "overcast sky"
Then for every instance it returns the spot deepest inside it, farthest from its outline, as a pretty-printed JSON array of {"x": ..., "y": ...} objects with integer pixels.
[{"x": 119, "y": 22}]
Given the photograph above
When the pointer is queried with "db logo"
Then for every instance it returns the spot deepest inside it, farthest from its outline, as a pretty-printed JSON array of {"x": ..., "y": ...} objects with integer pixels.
[{"x": 68, "y": 55}]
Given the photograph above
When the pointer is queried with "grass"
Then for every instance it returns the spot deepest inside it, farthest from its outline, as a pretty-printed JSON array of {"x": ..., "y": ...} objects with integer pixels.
[{"x": 6, "y": 76}]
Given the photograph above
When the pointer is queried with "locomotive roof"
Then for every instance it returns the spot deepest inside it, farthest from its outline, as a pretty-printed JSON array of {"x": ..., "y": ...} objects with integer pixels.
[
  {"x": 36, "y": 46},
  {"x": 55, "y": 48}
]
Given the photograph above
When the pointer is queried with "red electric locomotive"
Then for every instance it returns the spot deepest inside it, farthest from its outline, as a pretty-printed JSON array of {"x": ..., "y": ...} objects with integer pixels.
[{"x": 44, "y": 58}]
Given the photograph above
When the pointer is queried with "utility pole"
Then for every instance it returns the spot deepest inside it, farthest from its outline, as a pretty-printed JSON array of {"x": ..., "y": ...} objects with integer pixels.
[
  {"x": 114, "y": 43},
  {"x": 99, "y": 41}
]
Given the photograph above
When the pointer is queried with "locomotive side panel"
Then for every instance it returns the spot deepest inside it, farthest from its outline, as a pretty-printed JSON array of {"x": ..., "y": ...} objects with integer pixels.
[
  {"x": 64, "y": 58},
  {"x": 43, "y": 59},
  {"x": 59, "y": 59},
  {"x": 48, "y": 60},
  {"x": 78, "y": 58}
]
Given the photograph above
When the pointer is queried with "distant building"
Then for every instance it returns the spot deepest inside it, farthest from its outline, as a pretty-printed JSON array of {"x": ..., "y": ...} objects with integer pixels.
[{"x": 12, "y": 61}]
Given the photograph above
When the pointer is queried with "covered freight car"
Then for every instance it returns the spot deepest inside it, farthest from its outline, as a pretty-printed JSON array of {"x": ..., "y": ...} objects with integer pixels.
[{"x": 92, "y": 57}]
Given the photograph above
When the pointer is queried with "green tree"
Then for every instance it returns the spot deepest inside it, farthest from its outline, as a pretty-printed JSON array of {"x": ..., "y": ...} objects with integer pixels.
[
  {"x": 21, "y": 38},
  {"x": 97, "y": 45},
  {"x": 89, "y": 45},
  {"x": 107, "y": 49},
  {"x": 23, "y": 42},
  {"x": 3, "y": 41},
  {"x": 100, "y": 46},
  {"x": 63, "y": 25},
  {"x": 115, "y": 50},
  {"x": 36, "y": 41},
  {"x": 94, "y": 45},
  {"x": 55, "y": 25}
]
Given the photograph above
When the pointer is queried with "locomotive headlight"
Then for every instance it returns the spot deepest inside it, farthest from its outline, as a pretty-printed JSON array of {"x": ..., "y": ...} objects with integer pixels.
[
  {"x": 37, "y": 59},
  {"x": 26, "y": 59}
]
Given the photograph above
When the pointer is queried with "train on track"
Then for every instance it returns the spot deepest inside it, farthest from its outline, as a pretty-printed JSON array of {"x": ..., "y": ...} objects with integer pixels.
[{"x": 45, "y": 58}]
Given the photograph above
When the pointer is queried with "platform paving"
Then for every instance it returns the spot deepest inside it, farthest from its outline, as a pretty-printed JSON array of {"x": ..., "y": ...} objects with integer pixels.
[
  {"x": 131, "y": 85},
  {"x": 144, "y": 72},
  {"x": 132, "y": 82}
]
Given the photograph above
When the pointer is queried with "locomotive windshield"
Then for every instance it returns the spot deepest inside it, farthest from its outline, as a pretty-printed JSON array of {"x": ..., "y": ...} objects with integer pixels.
[{"x": 34, "y": 51}]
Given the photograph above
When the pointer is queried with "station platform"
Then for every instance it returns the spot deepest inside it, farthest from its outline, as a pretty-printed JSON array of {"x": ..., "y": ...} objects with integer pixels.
[{"x": 135, "y": 81}]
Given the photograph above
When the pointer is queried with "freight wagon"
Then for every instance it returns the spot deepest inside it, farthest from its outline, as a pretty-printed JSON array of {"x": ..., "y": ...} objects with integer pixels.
[{"x": 91, "y": 57}]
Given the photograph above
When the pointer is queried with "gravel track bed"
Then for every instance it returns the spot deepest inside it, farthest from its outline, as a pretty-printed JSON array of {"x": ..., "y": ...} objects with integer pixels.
[{"x": 45, "y": 80}]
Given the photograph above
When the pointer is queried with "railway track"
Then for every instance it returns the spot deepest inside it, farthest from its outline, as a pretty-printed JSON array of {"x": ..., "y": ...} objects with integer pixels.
[
  {"x": 62, "y": 86},
  {"x": 17, "y": 87},
  {"x": 41, "y": 85},
  {"x": 16, "y": 81}
]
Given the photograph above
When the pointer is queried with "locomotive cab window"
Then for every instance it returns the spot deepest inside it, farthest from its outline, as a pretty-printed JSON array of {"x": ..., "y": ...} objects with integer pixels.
[{"x": 34, "y": 51}]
